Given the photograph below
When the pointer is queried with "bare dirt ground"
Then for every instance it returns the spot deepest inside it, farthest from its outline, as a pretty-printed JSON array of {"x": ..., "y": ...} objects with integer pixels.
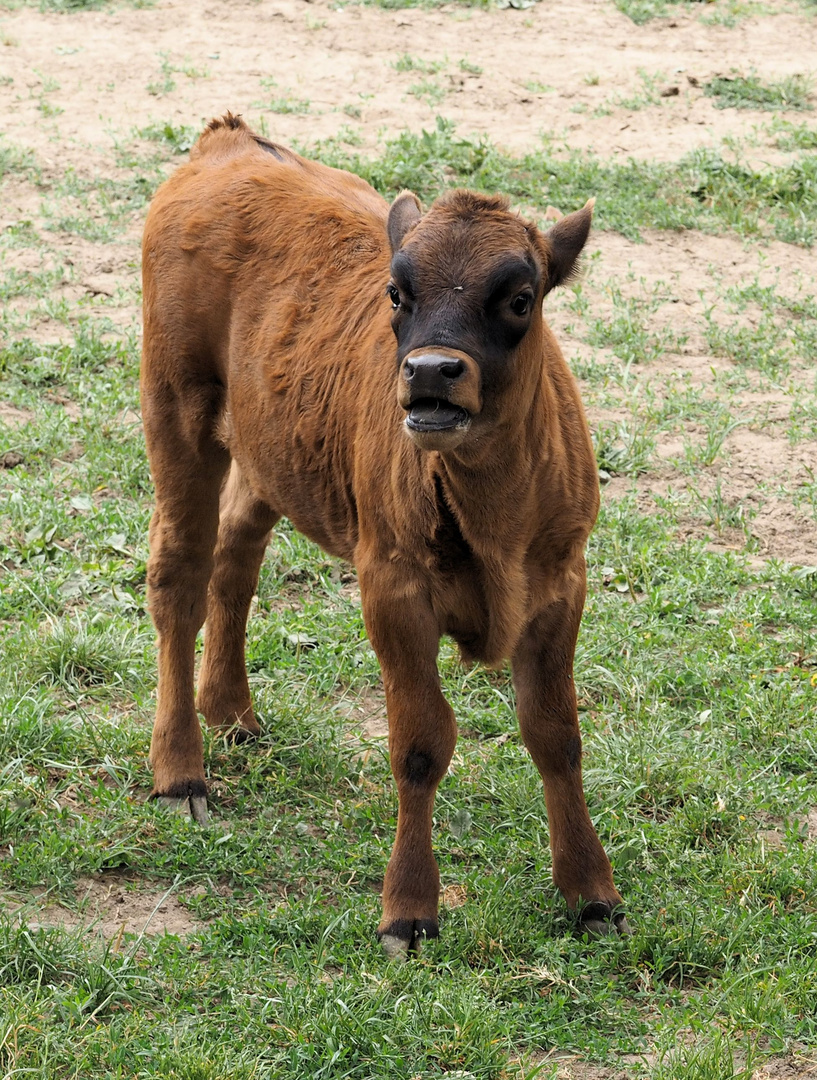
[
  {"x": 537, "y": 71},
  {"x": 73, "y": 88},
  {"x": 111, "y": 906}
]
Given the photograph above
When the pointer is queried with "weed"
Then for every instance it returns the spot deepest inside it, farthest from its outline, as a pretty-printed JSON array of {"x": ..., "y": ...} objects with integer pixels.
[
  {"x": 708, "y": 1059},
  {"x": 179, "y": 139},
  {"x": 622, "y": 449},
  {"x": 405, "y": 62},
  {"x": 763, "y": 347},
  {"x": 720, "y": 424},
  {"x": 641, "y": 11},
  {"x": 649, "y": 94},
  {"x": 286, "y": 103},
  {"x": 430, "y": 92},
  {"x": 469, "y": 68},
  {"x": 750, "y": 92},
  {"x": 167, "y": 84},
  {"x": 720, "y": 511},
  {"x": 791, "y": 136},
  {"x": 15, "y": 161},
  {"x": 626, "y": 333}
]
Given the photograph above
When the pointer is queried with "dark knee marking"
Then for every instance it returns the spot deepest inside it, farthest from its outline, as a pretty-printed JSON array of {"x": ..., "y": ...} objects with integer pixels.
[
  {"x": 183, "y": 789},
  {"x": 573, "y": 751},
  {"x": 418, "y": 767}
]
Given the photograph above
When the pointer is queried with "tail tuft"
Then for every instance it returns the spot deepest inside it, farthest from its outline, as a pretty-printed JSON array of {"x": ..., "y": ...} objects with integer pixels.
[
  {"x": 228, "y": 121},
  {"x": 228, "y": 135}
]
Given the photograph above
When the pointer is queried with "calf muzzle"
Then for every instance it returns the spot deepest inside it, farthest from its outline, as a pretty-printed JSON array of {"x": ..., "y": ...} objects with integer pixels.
[{"x": 440, "y": 391}]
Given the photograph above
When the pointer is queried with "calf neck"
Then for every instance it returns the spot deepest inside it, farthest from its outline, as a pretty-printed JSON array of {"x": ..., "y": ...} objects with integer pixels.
[{"x": 385, "y": 379}]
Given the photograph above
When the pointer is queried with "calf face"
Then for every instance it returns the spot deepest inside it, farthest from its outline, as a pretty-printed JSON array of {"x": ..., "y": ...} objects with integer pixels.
[{"x": 467, "y": 282}]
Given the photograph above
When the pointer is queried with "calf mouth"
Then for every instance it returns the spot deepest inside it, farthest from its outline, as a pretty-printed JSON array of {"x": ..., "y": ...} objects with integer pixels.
[{"x": 436, "y": 415}]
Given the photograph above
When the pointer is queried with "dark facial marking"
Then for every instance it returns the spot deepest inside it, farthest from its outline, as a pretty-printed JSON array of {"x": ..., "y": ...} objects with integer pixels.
[
  {"x": 512, "y": 271},
  {"x": 403, "y": 276}
]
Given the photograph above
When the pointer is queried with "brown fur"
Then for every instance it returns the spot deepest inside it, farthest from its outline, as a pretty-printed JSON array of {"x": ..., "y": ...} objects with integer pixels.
[{"x": 270, "y": 386}]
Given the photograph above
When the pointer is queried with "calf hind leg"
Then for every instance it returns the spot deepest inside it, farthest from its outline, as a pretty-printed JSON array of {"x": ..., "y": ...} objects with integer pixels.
[
  {"x": 244, "y": 529},
  {"x": 188, "y": 468}
]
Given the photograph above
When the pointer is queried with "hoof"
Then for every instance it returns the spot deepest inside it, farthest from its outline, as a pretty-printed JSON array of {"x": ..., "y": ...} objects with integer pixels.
[
  {"x": 602, "y": 920},
  {"x": 192, "y": 806},
  {"x": 237, "y": 734},
  {"x": 234, "y": 734},
  {"x": 405, "y": 937},
  {"x": 234, "y": 725},
  {"x": 190, "y": 801}
]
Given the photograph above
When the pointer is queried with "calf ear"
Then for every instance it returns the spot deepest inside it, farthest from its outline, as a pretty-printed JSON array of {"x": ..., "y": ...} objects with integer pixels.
[
  {"x": 404, "y": 213},
  {"x": 565, "y": 242}
]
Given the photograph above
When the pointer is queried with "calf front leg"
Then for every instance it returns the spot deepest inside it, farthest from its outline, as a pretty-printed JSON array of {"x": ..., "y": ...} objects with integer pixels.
[
  {"x": 422, "y": 734},
  {"x": 548, "y": 719}
]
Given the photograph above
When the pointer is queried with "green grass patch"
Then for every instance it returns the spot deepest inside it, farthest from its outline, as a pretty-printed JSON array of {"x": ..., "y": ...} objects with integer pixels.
[
  {"x": 703, "y": 190},
  {"x": 750, "y": 92},
  {"x": 789, "y": 136},
  {"x": 179, "y": 138},
  {"x": 696, "y": 679},
  {"x": 694, "y": 674},
  {"x": 15, "y": 161}
]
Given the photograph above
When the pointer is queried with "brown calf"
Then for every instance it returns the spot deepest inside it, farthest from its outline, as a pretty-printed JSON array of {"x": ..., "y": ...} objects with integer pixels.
[{"x": 385, "y": 379}]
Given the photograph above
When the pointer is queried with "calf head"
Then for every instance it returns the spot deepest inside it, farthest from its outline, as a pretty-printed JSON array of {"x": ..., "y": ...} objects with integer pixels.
[{"x": 467, "y": 283}]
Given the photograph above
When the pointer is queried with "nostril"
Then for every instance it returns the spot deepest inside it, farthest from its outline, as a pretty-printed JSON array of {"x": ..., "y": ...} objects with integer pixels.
[
  {"x": 408, "y": 370},
  {"x": 452, "y": 370}
]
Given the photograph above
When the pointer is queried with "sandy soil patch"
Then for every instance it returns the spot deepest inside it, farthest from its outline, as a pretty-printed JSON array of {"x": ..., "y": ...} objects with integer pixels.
[
  {"x": 109, "y": 906},
  {"x": 515, "y": 75}
]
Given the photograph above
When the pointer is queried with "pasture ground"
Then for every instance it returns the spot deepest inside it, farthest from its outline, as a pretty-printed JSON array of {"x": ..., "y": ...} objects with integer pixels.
[{"x": 135, "y": 945}]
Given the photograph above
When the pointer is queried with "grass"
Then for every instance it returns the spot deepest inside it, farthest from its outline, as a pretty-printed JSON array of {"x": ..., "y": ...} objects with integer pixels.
[
  {"x": 727, "y": 13},
  {"x": 178, "y": 138},
  {"x": 406, "y": 62},
  {"x": 791, "y": 136},
  {"x": 750, "y": 92},
  {"x": 703, "y": 190},
  {"x": 696, "y": 672},
  {"x": 285, "y": 103}
]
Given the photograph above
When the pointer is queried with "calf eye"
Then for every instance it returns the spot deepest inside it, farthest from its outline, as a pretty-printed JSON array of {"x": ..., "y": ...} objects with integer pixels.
[
  {"x": 393, "y": 295},
  {"x": 520, "y": 305}
]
